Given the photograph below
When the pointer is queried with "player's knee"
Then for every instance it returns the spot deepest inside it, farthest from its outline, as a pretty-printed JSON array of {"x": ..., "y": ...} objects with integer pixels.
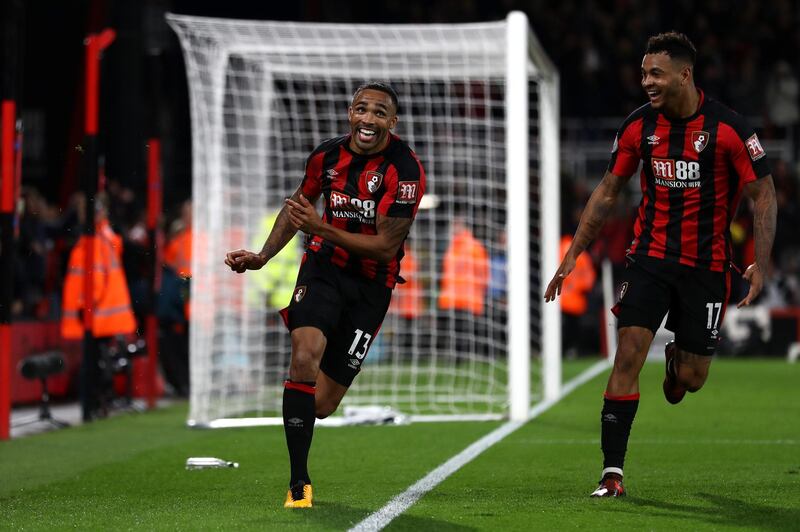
[
  {"x": 304, "y": 367},
  {"x": 627, "y": 357},
  {"x": 324, "y": 408},
  {"x": 624, "y": 364}
]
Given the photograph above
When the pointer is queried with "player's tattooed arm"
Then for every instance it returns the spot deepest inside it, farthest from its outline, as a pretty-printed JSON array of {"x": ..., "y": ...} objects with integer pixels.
[
  {"x": 596, "y": 212},
  {"x": 765, "y": 213},
  {"x": 282, "y": 232},
  {"x": 594, "y": 216},
  {"x": 383, "y": 246},
  {"x": 392, "y": 232}
]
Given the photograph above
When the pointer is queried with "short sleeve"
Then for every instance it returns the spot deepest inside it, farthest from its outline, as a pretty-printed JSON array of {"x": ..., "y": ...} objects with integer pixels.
[
  {"x": 625, "y": 153},
  {"x": 312, "y": 178},
  {"x": 405, "y": 187},
  {"x": 748, "y": 156}
]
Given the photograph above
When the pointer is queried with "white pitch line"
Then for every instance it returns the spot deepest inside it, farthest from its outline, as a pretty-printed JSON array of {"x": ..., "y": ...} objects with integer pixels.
[
  {"x": 402, "y": 502},
  {"x": 596, "y": 441}
]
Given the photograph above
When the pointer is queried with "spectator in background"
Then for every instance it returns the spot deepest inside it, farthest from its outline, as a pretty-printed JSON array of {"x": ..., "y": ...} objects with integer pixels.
[
  {"x": 465, "y": 278},
  {"x": 574, "y": 301},
  {"x": 178, "y": 251},
  {"x": 498, "y": 286},
  {"x": 782, "y": 92},
  {"x": 30, "y": 264},
  {"x": 787, "y": 237},
  {"x": 172, "y": 309},
  {"x": 112, "y": 307},
  {"x": 407, "y": 301}
]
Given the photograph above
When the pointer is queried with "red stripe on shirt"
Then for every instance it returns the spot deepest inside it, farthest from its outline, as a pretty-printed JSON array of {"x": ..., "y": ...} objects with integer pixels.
[{"x": 691, "y": 200}]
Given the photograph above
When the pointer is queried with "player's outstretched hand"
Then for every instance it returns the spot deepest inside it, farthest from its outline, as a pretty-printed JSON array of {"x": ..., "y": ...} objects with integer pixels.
[
  {"x": 755, "y": 277},
  {"x": 241, "y": 260},
  {"x": 554, "y": 288},
  {"x": 302, "y": 215}
]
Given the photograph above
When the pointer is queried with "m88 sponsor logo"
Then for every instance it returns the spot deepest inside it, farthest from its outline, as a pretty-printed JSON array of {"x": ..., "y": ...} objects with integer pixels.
[
  {"x": 676, "y": 174},
  {"x": 344, "y": 206}
]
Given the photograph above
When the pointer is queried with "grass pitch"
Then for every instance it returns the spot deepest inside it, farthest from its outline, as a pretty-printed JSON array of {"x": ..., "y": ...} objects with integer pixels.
[{"x": 727, "y": 458}]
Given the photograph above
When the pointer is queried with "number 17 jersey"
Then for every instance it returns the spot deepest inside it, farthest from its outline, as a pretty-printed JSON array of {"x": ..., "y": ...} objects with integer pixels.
[{"x": 693, "y": 173}]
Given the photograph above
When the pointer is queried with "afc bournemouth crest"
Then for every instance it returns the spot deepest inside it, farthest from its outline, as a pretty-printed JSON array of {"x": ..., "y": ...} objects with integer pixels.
[
  {"x": 699, "y": 140},
  {"x": 299, "y": 294},
  {"x": 374, "y": 180}
]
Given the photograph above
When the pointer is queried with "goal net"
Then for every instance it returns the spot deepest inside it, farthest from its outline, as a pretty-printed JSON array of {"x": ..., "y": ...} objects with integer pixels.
[{"x": 478, "y": 104}]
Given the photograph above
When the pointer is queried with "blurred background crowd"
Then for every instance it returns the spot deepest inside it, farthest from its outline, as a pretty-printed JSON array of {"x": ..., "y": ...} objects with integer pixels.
[{"x": 747, "y": 59}]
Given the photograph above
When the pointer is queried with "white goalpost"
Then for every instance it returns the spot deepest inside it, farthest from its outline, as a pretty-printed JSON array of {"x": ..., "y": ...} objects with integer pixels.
[{"x": 479, "y": 105}]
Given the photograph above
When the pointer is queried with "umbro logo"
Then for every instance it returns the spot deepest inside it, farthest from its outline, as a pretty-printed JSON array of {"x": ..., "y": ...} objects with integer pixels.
[
  {"x": 294, "y": 422},
  {"x": 331, "y": 173},
  {"x": 653, "y": 140},
  {"x": 611, "y": 418}
]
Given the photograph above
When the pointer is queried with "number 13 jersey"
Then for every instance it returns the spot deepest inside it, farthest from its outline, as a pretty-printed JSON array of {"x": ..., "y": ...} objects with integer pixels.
[{"x": 355, "y": 189}]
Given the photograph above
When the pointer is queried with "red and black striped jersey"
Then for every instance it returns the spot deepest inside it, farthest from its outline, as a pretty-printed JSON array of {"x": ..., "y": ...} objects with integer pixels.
[
  {"x": 355, "y": 189},
  {"x": 693, "y": 173}
]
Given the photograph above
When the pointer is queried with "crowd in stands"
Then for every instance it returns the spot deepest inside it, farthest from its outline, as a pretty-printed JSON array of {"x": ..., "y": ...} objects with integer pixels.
[{"x": 747, "y": 49}]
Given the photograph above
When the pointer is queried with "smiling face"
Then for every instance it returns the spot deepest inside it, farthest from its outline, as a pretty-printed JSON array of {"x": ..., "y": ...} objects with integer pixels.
[
  {"x": 666, "y": 80},
  {"x": 372, "y": 115}
]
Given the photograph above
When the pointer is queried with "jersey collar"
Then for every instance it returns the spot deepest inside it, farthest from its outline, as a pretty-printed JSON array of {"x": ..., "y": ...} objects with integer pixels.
[
  {"x": 700, "y": 102},
  {"x": 392, "y": 138}
]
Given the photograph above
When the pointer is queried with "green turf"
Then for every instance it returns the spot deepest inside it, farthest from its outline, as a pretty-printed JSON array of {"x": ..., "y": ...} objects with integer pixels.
[
  {"x": 128, "y": 473},
  {"x": 727, "y": 458}
]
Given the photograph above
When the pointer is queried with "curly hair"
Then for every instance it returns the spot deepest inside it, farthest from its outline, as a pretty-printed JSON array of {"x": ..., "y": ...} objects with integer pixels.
[
  {"x": 674, "y": 44},
  {"x": 383, "y": 87}
]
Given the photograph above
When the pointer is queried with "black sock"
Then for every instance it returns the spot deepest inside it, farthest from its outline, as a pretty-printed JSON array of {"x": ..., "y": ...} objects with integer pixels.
[
  {"x": 298, "y": 424},
  {"x": 616, "y": 420}
]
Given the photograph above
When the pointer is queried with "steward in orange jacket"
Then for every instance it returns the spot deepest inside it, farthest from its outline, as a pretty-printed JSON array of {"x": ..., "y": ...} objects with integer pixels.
[
  {"x": 465, "y": 273},
  {"x": 112, "y": 303},
  {"x": 407, "y": 297},
  {"x": 578, "y": 283},
  {"x": 178, "y": 252}
]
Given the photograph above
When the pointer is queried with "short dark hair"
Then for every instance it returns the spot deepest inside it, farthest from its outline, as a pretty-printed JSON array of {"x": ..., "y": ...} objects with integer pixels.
[
  {"x": 674, "y": 44},
  {"x": 383, "y": 87}
]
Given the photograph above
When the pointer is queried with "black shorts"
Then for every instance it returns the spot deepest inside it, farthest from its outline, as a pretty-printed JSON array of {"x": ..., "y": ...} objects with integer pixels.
[
  {"x": 347, "y": 308},
  {"x": 694, "y": 298}
]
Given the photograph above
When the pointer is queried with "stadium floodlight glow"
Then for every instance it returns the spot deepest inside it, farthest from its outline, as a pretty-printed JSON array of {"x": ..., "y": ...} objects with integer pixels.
[{"x": 479, "y": 105}]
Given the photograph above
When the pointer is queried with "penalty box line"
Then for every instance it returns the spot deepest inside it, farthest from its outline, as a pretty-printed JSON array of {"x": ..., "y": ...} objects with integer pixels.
[{"x": 402, "y": 502}]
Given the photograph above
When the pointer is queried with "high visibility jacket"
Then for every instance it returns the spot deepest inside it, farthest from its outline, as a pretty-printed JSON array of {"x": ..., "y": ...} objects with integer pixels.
[
  {"x": 112, "y": 303},
  {"x": 178, "y": 253},
  {"x": 275, "y": 280},
  {"x": 465, "y": 274},
  {"x": 578, "y": 283},
  {"x": 407, "y": 297}
]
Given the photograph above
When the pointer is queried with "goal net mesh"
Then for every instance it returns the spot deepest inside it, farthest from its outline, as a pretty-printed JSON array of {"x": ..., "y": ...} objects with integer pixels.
[{"x": 263, "y": 95}]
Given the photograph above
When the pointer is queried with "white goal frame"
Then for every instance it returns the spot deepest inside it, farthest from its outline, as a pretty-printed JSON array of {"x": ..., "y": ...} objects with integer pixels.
[{"x": 526, "y": 61}]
